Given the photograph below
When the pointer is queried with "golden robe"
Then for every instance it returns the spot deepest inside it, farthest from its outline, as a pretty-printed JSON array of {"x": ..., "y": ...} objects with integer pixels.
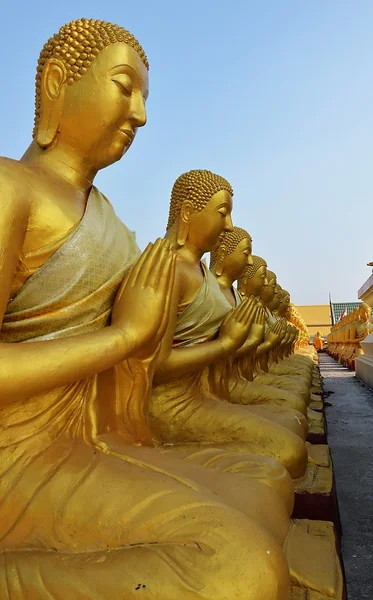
[
  {"x": 84, "y": 512},
  {"x": 184, "y": 410}
]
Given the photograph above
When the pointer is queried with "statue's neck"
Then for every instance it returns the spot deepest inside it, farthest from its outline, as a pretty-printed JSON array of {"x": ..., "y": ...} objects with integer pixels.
[
  {"x": 225, "y": 280},
  {"x": 250, "y": 292},
  {"x": 188, "y": 251},
  {"x": 57, "y": 161},
  {"x": 268, "y": 307}
]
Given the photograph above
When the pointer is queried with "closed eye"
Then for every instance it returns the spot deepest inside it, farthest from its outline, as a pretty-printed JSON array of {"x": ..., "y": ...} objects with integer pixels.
[
  {"x": 124, "y": 89},
  {"x": 124, "y": 82}
]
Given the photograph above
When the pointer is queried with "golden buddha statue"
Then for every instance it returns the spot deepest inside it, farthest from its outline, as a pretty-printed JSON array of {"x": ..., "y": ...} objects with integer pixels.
[
  {"x": 254, "y": 281},
  {"x": 280, "y": 369},
  {"x": 290, "y": 367},
  {"x": 355, "y": 331},
  {"x": 87, "y": 506},
  {"x": 183, "y": 408},
  {"x": 340, "y": 336},
  {"x": 203, "y": 333},
  {"x": 232, "y": 259}
]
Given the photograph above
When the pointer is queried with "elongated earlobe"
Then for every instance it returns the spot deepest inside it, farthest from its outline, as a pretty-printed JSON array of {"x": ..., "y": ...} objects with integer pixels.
[
  {"x": 52, "y": 97},
  {"x": 222, "y": 253},
  {"x": 186, "y": 212}
]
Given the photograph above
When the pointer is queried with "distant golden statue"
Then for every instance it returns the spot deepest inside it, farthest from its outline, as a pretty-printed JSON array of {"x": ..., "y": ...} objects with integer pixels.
[
  {"x": 228, "y": 264},
  {"x": 346, "y": 335}
]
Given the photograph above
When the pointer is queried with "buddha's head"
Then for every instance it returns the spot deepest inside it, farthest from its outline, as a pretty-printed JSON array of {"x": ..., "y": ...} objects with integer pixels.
[
  {"x": 275, "y": 302},
  {"x": 285, "y": 302},
  {"x": 364, "y": 312},
  {"x": 200, "y": 210},
  {"x": 233, "y": 254},
  {"x": 254, "y": 278},
  {"x": 91, "y": 88},
  {"x": 269, "y": 291}
]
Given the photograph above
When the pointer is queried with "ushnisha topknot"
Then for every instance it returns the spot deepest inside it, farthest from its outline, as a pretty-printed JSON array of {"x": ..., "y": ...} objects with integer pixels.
[
  {"x": 76, "y": 45},
  {"x": 230, "y": 242},
  {"x": 198, "y": 187}
]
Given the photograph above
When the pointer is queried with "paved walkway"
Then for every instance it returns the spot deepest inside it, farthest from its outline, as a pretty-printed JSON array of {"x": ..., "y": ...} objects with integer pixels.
[{"x": 350, "y": 437}]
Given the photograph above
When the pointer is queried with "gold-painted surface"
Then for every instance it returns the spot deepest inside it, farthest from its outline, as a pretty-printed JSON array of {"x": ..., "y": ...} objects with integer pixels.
[
  {"x": 88, "y": 510},
  {"x": 184, "y": 410},
  {"x": 346, "y": 335}
]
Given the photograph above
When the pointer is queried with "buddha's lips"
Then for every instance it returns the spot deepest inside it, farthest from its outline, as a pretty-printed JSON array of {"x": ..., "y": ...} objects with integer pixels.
[{"x": 129, "y": 135}]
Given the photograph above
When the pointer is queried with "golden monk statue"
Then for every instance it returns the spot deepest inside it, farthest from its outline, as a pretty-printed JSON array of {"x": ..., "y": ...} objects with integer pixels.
[
  {"x": 254, "y": 281},
  {"x": 88, "y": 510},
  {"x": 349, "y": 332},
  {"x": 228, "y": 264},
  {"x": 290, "y": 367},
  {"x": 203, "y": 333},
  {"x": 278, "y": 368}
]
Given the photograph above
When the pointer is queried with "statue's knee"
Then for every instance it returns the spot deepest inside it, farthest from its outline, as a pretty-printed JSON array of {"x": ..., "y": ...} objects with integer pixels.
[
  {"x": 295, "y": 456},
  {"x": 251, "y": 565}
]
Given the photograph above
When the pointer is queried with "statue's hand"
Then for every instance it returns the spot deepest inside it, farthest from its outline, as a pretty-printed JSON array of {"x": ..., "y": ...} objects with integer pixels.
[
  {"x": 273, "y": 335},
  {"x": 141, "y": 307},
  {"x": 235, "y": 327},
  {"x": 258, "y": 328}
]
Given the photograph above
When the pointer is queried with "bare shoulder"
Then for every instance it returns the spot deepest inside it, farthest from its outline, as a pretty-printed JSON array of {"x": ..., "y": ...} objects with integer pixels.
[{"x": 189, "y": 279}]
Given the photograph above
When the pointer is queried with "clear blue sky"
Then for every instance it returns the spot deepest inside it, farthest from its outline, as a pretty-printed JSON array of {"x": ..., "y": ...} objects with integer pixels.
[{"x": 276, "y": 95}]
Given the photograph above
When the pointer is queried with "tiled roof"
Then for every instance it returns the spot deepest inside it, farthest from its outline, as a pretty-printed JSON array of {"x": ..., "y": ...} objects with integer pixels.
[{"x": 339, "y": 307}]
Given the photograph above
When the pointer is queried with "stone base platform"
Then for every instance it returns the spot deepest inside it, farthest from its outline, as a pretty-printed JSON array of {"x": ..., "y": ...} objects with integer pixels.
[
  {"x": 315, "y": 495},
  {"x": 316, "y": 573},
  {"x": 317, "y": 433},
  {"x": 317, "y": 403},
  {"x": 364, "y": 369}
]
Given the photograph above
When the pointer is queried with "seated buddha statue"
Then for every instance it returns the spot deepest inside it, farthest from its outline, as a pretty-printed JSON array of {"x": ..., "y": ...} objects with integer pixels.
[
  {"x": 279, "y": 369},
  {"x": 90, "y": 507},
  {"x": 254, "y": 282},
  {"x": 343, "y": 346},
  {"x": 292, "y": 366},
  {"x": 228, "y": 263},
  {"x": 203, "y": 333},
  {"x": 357, "y": 331}
]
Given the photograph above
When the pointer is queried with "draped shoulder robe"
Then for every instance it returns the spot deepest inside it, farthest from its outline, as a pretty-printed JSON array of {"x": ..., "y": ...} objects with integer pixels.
[{"x": 84, "y": 512}]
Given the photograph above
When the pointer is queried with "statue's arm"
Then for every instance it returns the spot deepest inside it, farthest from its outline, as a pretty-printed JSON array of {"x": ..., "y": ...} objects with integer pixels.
[{"x": 37, "y": 367}]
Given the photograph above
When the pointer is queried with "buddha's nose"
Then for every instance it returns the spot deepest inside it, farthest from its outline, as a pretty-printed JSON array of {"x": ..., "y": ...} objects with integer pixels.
[
  {"x": 265, "y": 282},
  {"x": 228, "y": 223},
  {"x": 250, "y": 260},
  {"x": 138, "y": 111}
]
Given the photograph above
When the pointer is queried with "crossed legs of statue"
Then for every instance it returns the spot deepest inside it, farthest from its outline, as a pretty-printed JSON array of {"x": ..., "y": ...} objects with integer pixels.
[{"x": 116, "y": 526}]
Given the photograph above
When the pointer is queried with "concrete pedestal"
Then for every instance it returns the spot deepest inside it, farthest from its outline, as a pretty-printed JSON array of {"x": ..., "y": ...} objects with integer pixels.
[{"x": 364, "y": 364}]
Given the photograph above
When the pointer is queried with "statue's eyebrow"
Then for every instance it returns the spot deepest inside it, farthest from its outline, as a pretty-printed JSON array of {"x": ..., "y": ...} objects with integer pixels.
[{"x": 124, "y": 66}]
